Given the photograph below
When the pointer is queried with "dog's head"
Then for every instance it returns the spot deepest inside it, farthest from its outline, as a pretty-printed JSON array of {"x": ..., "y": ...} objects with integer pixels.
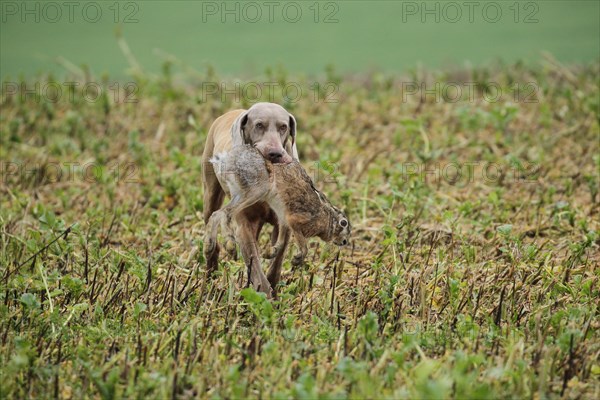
[{"x": 269, "y": 128}]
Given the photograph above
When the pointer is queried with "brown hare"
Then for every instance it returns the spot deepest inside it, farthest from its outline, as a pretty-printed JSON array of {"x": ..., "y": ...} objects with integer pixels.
[{"x": 288, "y": 190}]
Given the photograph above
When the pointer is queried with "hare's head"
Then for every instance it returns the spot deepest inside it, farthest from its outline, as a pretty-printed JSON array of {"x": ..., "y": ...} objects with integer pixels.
[{"x": 341, "y": 228}]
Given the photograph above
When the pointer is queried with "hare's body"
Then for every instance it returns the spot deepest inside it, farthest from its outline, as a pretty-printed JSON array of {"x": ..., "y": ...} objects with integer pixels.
[{"x": 287, "y": 189}]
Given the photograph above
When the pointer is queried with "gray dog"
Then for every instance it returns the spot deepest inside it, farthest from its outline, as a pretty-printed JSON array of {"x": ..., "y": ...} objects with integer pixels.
[{"x": 272, "y": 131}]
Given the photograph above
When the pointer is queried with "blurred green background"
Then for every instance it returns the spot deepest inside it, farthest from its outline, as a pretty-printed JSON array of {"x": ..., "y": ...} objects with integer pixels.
[{"x": 352, "y": 35}]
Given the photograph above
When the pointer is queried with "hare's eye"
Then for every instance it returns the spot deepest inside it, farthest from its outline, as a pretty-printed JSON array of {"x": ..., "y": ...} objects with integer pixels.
[{"x": 343, "y": 223}]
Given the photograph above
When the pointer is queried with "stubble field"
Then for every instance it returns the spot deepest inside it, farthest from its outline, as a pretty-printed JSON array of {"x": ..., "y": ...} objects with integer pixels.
[{"x": 473, "y": 271}]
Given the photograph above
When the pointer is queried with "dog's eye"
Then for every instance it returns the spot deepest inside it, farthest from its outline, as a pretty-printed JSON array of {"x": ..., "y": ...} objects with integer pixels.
[
  {"x": 283, "y": 128},
  {"x": 343, "y": 223},
  {"x": 260, "y": 126}
]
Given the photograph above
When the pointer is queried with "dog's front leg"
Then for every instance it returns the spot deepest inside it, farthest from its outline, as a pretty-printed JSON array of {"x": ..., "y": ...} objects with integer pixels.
[
  {"x": 274, "y": 273},
  {"x": 247, "y": 231}
]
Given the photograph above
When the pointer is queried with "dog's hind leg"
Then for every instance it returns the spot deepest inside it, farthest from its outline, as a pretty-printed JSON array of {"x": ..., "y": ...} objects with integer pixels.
[
  {"x": 213, "y": 199},
  {"x": 211, "y": 231}
]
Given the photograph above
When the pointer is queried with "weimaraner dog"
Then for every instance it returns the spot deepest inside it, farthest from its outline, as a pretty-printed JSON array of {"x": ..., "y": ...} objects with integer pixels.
[{"x": 272, "y": 131}]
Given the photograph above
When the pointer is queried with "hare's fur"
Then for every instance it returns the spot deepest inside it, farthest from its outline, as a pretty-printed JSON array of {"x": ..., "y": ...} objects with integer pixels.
[{"x": 288, "y": 190}]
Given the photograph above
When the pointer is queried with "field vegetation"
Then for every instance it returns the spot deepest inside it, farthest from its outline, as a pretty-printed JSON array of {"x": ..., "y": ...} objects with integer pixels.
[{"x": 473, "y": 271}]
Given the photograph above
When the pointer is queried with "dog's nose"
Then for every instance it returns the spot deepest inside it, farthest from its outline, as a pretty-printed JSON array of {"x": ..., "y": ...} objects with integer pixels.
[{"x": 275, "y": 155}]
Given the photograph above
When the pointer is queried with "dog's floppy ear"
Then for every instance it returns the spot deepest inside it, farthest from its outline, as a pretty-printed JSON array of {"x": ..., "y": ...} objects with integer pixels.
[
  {"x": 291, "y": 146},
  {"x": 237, "y": 130}
]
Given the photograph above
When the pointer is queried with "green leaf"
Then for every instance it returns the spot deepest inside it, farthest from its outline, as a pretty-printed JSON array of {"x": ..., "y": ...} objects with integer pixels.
[
  {"x": 30, "y": 301},
  {"x": 504, "y": 230}
]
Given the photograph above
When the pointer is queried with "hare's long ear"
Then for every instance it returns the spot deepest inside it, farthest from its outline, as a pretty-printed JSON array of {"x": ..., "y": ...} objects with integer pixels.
[
  {"x": 291, "y": 146},
  {"x": 237, "y": 130}
]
